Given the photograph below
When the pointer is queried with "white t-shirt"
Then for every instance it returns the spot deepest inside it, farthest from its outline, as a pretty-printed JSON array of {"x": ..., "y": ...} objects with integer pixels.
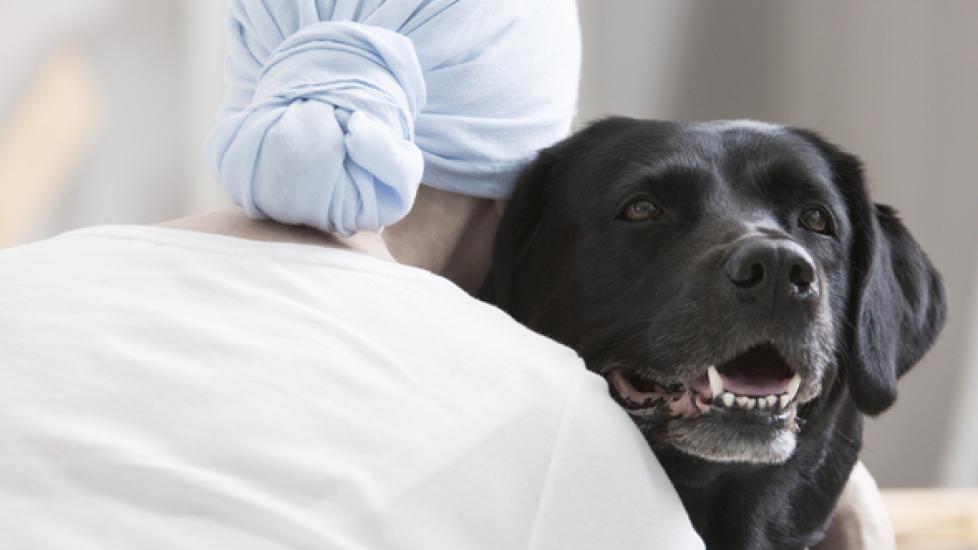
[{"x": 170, "y": 389}]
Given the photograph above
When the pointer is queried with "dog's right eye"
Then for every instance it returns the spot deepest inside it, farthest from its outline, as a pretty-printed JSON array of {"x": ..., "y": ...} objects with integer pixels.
[{"x": 640, "y": 210}]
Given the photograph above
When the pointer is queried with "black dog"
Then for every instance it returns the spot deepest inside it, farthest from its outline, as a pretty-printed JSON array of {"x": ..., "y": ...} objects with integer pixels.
[{"x": 745, "y": 299}]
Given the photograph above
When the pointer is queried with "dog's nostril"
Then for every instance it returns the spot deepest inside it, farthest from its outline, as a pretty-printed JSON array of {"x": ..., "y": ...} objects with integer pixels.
[
  {"x": 802, "y": 276},
  {"x": 747, "y": 275}
]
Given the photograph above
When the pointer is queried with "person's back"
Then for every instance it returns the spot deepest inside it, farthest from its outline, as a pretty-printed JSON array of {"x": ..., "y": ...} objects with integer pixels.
[{"x": 162, "y": 388}]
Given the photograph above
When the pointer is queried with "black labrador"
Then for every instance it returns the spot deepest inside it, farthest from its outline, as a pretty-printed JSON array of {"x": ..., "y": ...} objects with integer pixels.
[{"x": 742, "y": 295}]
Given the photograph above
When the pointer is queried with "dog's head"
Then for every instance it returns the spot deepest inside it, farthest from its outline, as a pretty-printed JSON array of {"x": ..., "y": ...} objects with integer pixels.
[{"x": 720, "y": 275}]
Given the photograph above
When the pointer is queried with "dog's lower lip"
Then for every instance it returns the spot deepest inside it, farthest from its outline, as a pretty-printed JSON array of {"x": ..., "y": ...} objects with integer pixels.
[{"x": 674, "y": 400}]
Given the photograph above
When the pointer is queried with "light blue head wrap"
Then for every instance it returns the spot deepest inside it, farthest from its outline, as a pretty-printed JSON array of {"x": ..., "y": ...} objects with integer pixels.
[{"x": 336, "y": 110}]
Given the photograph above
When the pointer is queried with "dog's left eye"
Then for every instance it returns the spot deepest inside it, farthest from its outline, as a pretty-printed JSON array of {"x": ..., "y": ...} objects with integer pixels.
[
  {"x": 640, "y": 210},
  {"x": 817, "y": 219}
]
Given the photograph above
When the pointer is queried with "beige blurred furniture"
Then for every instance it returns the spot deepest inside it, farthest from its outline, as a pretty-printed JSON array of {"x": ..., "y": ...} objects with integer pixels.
[
  {"x": 45, "y": 138},
  {"x": 934, "y": 519}
]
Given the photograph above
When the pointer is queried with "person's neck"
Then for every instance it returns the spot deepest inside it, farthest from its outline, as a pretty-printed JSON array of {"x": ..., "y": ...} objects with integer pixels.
[
  {"x": 446, "y": 233},
  {"x": 233, "y": 222}
]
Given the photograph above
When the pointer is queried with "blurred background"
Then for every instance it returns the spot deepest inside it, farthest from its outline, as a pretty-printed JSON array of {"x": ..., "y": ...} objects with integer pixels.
[{"x": 105, "y": 106}]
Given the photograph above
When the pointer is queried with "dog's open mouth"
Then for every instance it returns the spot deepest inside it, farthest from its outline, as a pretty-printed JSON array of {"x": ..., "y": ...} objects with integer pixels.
[{"x": 758, "y": 385}]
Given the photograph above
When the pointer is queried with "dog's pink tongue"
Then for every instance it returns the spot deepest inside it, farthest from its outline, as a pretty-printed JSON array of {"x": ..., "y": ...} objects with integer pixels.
[{"x": 745, "y": 384}]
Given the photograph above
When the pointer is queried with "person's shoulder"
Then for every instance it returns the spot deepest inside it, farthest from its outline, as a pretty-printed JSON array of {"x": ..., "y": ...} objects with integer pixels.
[
  {"x": 498, "y": 334},
  {"x": 605, "y": 487}
]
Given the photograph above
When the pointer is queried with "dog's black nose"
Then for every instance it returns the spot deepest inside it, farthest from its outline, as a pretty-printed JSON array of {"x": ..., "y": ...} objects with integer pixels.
[{"x": 760, "y": 266}]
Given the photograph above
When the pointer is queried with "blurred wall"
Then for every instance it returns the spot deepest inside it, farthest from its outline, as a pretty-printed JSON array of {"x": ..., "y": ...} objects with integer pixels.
[
  {"x": 894, "y": 82},
  {"x": 157, "y": 68}
]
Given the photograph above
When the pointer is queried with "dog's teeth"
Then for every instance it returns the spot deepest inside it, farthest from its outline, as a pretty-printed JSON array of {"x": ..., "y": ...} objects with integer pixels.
[
  {"x": 716, "y": 383},
  {"x": 771, "y": 400},
  {"x": 793, "y": 386},
  {"x": 750, "y": 403},
  {"x": 741, "y": 401},
  {"x": 761, "y": 403},
  {"x": 728, "y": 399},
  {"x": 785, "y": 399}
]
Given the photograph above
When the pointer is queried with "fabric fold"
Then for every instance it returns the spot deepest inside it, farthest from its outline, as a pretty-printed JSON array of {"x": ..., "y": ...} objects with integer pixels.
[
  {"x": 329, "y": 130},
  {"x": 337, "y": 110}
]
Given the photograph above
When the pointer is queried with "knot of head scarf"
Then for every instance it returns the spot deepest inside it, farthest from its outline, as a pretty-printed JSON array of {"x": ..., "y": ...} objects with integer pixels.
[{"x": 337, "y": 110}]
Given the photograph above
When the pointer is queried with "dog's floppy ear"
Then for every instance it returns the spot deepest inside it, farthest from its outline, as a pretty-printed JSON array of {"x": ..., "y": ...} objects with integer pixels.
[
  {"x": 897, "y": 304},
  {"x": 518, "y": 229}
]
